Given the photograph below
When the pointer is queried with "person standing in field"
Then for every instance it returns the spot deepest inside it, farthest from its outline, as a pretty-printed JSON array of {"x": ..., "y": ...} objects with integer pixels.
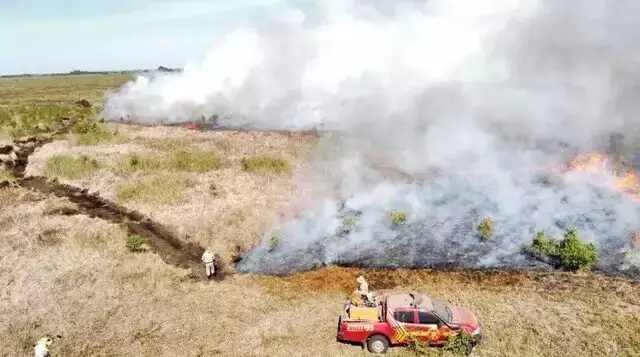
[{"x": 208, "y": 259}]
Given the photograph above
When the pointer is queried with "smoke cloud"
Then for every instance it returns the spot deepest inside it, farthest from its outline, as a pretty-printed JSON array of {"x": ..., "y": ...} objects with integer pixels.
[{"x": 444, "y": 111}]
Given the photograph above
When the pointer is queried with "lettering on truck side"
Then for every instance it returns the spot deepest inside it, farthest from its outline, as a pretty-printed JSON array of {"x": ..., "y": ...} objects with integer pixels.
[{"x": 359, "y": 327}]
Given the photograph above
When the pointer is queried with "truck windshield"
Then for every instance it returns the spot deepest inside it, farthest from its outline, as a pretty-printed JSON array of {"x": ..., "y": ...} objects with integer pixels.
[{"x": 442, "y": 310}]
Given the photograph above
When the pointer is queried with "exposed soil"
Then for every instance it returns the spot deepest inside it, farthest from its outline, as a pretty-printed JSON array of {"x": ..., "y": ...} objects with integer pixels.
[{"x": 172, "y": 249}]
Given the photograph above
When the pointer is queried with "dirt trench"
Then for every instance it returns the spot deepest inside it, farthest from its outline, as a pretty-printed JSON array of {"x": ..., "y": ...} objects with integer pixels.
[{"x": 170, "y": 248}]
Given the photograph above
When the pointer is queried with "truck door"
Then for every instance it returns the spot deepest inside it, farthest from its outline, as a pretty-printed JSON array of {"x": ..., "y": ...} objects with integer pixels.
[{"x": 432, "y": 329}]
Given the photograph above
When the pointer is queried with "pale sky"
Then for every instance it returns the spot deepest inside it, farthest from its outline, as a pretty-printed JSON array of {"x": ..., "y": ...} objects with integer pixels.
[{"x": 44, "y": 36}]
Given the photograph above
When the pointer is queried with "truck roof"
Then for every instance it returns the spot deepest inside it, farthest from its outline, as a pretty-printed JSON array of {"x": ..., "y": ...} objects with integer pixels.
[{"x": 404, "y": 301}]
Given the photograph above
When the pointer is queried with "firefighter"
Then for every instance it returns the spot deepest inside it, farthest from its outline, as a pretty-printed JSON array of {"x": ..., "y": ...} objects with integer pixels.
[
  {"x": 363, "y": 287},
  {"x": 207, "y": 259}
]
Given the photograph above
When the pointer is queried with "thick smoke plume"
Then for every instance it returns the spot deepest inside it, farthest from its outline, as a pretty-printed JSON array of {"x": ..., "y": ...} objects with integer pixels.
[{"x": 445, "y": 110}]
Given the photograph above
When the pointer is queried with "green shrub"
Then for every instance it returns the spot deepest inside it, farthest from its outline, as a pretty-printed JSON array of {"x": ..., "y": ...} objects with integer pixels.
[
  {"x": 71, "y": 167},
  {"x": 273, "y": 244},
  {"x": 265, "y": 164},
  {"x": 570, "y": 252},
  {"x": 458, "y": 344},
  {"x": 349, "y": 222},
  {"x": 195, "y": 160},
  {"x": 576, "y": 254},
  {"x": 136, "y": 243},
  {"x": 485, "y": 228},
  {"x": 397, "y": 217},
  {"x": 543, "y": 246}
]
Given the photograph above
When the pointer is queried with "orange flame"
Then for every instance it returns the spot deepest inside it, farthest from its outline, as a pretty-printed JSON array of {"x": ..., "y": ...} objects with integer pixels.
[
  {"x": 626, "y": 182},
  {"x": 191, "y": 126}
]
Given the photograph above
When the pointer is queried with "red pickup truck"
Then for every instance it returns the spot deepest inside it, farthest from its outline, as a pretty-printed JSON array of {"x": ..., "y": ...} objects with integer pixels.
[{"x": 398, "y": 317}]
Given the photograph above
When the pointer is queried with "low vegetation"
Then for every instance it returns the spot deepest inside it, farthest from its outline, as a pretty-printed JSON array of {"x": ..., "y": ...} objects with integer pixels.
[
  {"x": 71, "y": 167},
  {"x": 6, "y": 176},
  {"x": 456, "y": 345},
  {"x": 485, "y": 229},
  {"x": 137, "y": 162},
  {"x": 570, "y": 252},
  {"x": 273, "y": 243},
  {"x": 214, "y": 190},
  {"x": 349, "y": 222},
  {"x": 136, "y": 243},
  {"x": 90, "y": 132},
  {"x": 185, "y": 160},
  {"x": 160, "y": 190},
  {"x": 37, "y": 120},
  {"x": 195, "y": 160},
  {"x": 265, "y": 164},
  {"x": 397, "y": 217}
]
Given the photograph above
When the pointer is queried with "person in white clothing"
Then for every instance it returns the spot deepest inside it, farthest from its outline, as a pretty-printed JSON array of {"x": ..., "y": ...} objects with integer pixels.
[
  {"x": 41, "y": 348},
  {"x": 208, "y": 259}
]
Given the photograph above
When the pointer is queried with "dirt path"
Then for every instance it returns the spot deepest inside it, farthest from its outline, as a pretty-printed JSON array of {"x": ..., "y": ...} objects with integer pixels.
[{"x": 173, "y": 250}]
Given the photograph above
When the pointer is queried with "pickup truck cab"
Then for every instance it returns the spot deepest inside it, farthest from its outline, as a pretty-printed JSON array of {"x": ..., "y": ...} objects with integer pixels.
[{"x": 402, "y": 316}]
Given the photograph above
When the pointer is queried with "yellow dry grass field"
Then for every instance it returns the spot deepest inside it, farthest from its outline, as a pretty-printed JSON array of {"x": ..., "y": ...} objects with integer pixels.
[{"x": 65, "y": 273}]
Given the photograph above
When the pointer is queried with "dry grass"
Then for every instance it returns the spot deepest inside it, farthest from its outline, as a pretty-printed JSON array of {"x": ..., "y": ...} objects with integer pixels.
[{"x": 73, "y": 275}]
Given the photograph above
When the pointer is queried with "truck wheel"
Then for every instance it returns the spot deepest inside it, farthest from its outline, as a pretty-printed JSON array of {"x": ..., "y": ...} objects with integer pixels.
[{"x": 377, "y": 344}]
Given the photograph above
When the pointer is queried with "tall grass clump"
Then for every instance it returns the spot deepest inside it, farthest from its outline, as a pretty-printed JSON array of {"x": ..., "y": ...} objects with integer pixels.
[
  {"x": 90, "y": 132},
  {"x": 265, "y": 164},
  {"x": 136, "y": 162},
  {"x": 195, "y": 160},
  {"x": 71, "y": 167},
  {"x": 160, "y": 190}
]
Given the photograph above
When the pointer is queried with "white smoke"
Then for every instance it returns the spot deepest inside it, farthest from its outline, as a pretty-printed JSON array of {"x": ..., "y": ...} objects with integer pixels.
[{"x": 459, "y": 98}]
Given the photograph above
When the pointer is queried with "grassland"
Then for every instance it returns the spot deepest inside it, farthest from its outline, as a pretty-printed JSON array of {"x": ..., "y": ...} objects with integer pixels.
[{"x": 69, "y": 274}]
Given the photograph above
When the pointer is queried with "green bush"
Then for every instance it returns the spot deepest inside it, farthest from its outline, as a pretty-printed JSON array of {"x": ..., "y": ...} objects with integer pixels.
[
  {"x": 543, "y": 246},
  {"x": 273, "y": 244},
  {"x": 71, "y": 167},
  {"x": 397, "y": 217},
  {"x": 136, "y": 243},
  {"x": 459, "y": 344},
  {"x": 349, "y": 222},
  {"x": 265, "y": 164},
  {"x": 485, "y": 228},
  {"x": 570, "y": 252},
  {"x": 576, "y": 254}
]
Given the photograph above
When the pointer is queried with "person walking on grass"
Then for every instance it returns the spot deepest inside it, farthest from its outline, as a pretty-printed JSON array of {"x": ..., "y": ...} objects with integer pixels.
[{"x": 208, "y": 259}]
